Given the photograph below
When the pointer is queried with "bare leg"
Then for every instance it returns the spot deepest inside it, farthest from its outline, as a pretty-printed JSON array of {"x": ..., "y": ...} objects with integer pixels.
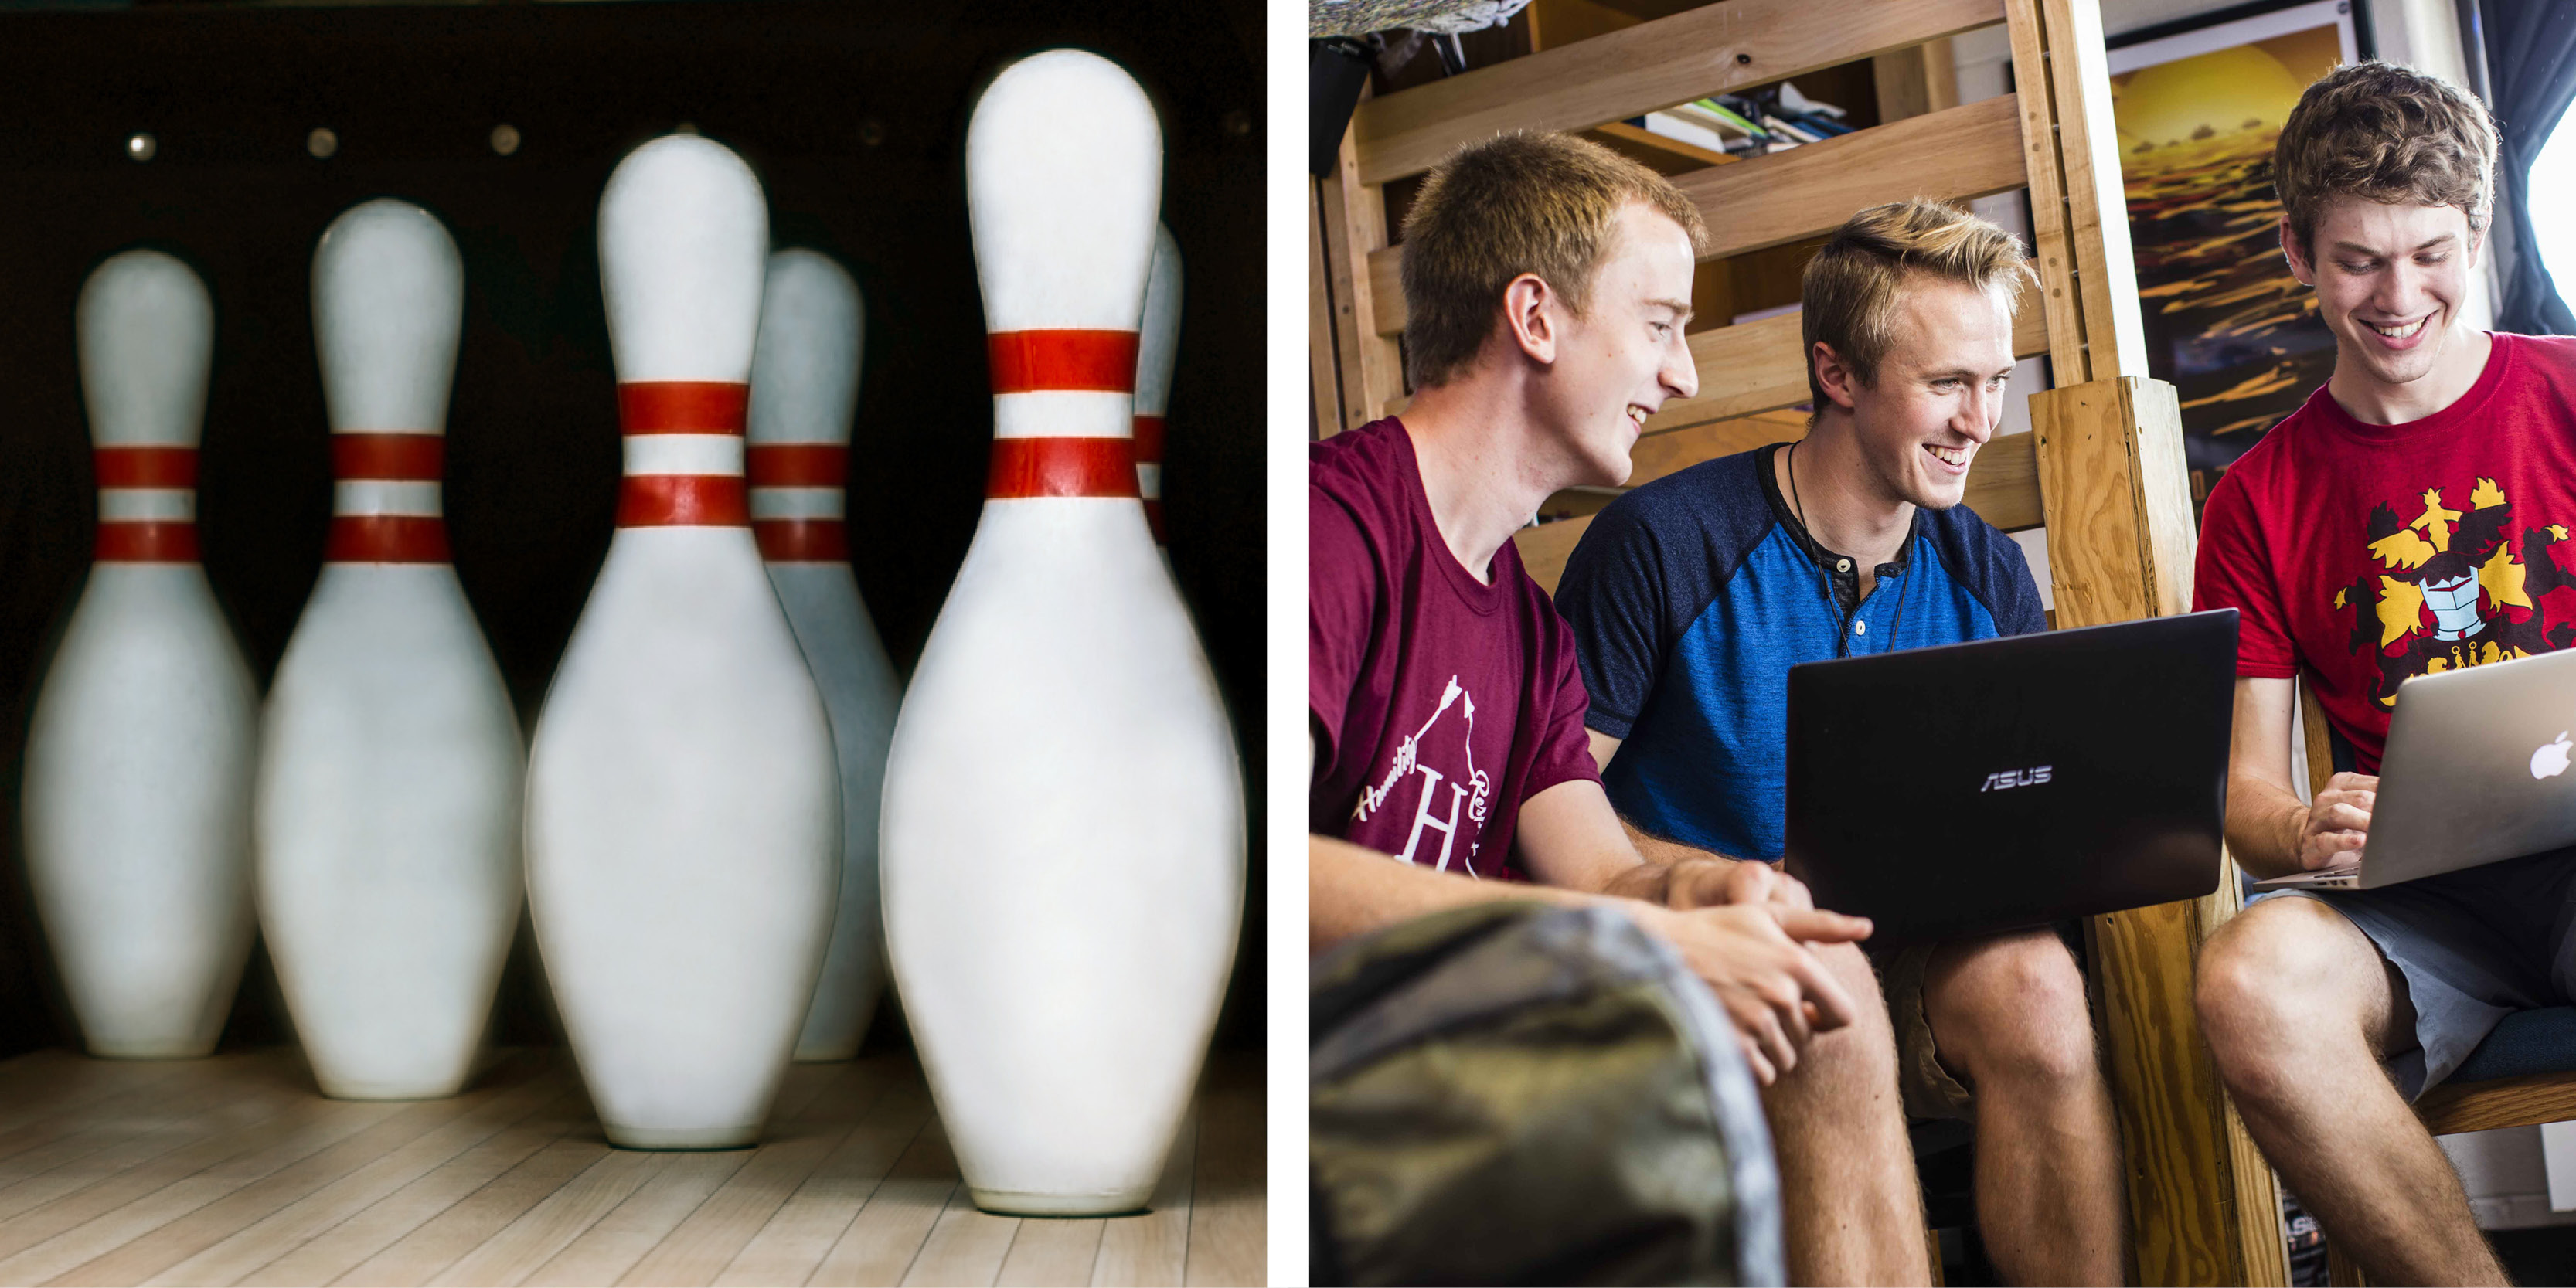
[
  {"x": 1852, "y": 1209},
  {"x": 2299, "y": 1007},
  {"x": 2009, "y": 1014}
]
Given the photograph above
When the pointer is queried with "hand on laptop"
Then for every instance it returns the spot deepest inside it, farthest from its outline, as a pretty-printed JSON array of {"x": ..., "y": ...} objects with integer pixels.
[
  {"x": 2337, "y": 821},
  {"x": 1753, "y": 956}
]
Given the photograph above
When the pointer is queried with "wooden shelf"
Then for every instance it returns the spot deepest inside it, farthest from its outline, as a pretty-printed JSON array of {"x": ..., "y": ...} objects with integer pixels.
[
  {"x": 234, "y": 1170},
  {"x": 1663, "y": 155}
]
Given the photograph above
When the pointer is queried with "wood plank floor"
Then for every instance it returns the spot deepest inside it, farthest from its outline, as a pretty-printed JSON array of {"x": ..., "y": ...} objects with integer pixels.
[{"x": 233, "y": 1170}]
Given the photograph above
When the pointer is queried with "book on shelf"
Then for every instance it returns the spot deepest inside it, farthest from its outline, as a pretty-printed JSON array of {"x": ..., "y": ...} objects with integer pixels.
[
  {"x": 1681, "y": 129},
  {"x": 1783, "y": 129},
  {"x": 1718, "y": 115}
]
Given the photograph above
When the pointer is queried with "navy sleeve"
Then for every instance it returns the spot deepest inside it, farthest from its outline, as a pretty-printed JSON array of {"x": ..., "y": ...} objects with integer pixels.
[
  {"x": 2020, "y": 612},
  {"x": 1612, "y": 593},
  {"x": 1992, "y": 567},
  {"x": 1647, "y": 568}
]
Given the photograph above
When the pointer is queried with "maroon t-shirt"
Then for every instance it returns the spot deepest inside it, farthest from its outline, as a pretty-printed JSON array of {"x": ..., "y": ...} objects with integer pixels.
[
  {"x": 1440, "y": 703},
  {"x": 2365, "y": 554}
]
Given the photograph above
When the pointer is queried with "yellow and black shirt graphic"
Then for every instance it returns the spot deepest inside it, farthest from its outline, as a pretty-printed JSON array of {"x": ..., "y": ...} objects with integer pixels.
[{"x": 2449, "y": 587}]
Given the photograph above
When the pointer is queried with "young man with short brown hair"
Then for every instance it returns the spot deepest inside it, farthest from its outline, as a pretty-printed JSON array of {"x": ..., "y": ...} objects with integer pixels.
[
  {"x": 2406, "y": 519},
  {"x": 1547, "y": 282},
  {"x": 1693, "y": 595}
]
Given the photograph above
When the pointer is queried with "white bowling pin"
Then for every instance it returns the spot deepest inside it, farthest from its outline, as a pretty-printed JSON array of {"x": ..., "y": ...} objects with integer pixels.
[
  {"x": 387, "y": 809},
  {"x": 683, "y": 807},
  {"x": 1158, "y": 342},
  {"x": 804, "y": 390},
  {"x": 1064, "y": 834},
  {"x": 137, "y": 789}
]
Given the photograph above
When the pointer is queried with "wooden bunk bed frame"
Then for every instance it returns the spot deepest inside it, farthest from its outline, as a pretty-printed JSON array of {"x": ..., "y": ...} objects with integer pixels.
[{"x": 2102, "y": 469}]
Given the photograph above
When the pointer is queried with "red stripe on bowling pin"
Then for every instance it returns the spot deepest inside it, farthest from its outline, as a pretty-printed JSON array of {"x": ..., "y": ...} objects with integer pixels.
[
  {"x": 796, "y": 501},
  {"x": 797, "y": 464},
  {"x": 1149, "y": 471},
  {"x": 1034, "y": 361},
  {"x": 147, "y": 504},
  {"x": 1037, "y": 467},
  {"x": 386, "y": 507},
  {"x": 684, "y": 457},
  {"x": 409, "y": 458},
  {"x": 682, "y": 406},
  {"x": 152, "y": 467},
  {"x": 1029, "y": 362}
]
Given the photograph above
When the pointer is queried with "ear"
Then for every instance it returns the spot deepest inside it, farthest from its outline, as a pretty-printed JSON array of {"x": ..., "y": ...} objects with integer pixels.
[
  {"x": 2297, "y": 254},
  {"x": 1529, "y": 317},
  {"x": 1837, "y": 378}
]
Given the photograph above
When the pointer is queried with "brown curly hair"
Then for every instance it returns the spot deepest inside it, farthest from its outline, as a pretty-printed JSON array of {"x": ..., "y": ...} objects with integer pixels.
[
  {"x": 2390, "y": 134},
  {"x": 1525, "y": 202}
]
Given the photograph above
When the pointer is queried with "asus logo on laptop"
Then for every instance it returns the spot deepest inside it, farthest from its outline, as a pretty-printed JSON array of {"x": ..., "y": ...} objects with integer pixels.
[{"x": 2009, "y": 778}]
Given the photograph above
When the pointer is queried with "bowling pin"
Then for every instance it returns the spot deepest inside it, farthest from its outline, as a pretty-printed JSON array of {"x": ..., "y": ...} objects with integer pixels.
[
  {"x": 684, "y": 833},
  {"x": 386, "y": 815},
  {"x": 804, "y": 391},
  {"x": 1063, "y": 837},
  {"x": 1158, "y": 341},
  {"x": 139, "y": 756}
]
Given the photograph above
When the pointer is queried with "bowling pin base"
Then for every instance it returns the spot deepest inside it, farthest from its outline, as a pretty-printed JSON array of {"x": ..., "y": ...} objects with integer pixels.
[
  {"x": 1022, "y": 1203},
  {"x": 682, "y": 1138},
  {"x": 149, "y": 1050},
  {"x": 388, "y": 1090}
]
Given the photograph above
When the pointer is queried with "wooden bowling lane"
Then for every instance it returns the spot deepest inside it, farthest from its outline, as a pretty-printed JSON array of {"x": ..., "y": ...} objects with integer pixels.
[{"x": 233, "y": 1170}]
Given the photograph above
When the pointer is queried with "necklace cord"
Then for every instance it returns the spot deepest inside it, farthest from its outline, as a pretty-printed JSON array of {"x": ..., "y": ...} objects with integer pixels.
[{"x": 1833, "y": 603}]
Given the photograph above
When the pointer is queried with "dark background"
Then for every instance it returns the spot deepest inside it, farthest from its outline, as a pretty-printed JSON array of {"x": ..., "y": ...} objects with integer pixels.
[{"x": 853, "y": 115}]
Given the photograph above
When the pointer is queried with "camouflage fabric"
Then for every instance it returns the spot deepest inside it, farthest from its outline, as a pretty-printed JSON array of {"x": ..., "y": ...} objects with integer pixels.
[
  {"x": 1447, "y": 17},
  {"x": 1520, "y": 1093}
]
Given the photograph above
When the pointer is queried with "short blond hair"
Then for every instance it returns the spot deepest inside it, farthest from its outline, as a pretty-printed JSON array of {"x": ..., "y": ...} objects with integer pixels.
[
  {"x": 2388, "y": 134},
  {"x": 1850, "y": 291},
  {"x": 1530, "y": 202}
]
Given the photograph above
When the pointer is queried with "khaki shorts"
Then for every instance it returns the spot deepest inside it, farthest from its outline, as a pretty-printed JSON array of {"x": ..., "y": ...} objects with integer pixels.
[{"x": 1929, "y": 1088}]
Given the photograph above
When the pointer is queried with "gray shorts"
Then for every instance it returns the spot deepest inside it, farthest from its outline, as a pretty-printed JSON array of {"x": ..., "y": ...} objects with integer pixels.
[{"x": 2474, "y": 946}]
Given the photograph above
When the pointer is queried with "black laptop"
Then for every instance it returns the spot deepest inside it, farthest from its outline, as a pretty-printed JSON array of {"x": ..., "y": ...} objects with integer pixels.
[{"x": 2011, "y": 783}]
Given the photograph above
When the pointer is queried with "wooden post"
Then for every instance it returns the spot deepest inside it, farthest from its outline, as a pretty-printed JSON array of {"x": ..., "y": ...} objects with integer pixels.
[
  {"x": 1354, "y": 217},
  {"x": 2079, "y": 211},
  {"x": 2203, "y": 1208},
  {"x": 1326, "y": 393}
]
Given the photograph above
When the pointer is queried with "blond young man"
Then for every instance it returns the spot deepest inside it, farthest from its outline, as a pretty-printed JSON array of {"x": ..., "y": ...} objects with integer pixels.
[
  {"x": 1692, "y": 596},
  {"x": 2407, "y": 518},
  {"x": 1547, "y": 282}
]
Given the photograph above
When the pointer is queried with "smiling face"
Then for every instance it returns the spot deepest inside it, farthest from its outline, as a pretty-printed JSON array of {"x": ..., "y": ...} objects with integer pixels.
[
  {"x": 2390, "y": 281},
  {"x": 1619, "y": 360},
  {"x": 1938, "y": 395}
]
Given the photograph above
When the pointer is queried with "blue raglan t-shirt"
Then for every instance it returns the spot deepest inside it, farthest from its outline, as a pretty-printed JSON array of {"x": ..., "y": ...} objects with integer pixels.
[{"x": 1693, "y": 595}]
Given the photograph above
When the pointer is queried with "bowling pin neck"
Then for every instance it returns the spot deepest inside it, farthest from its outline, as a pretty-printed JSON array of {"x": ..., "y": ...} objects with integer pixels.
[
  {"x": 147, "y": 504},
  {"x": 1063, "y": 410},
  {"x": 387, "y": 504},
  {"x": 684, "y": 454},
  {"x": 797, "y": 504}
]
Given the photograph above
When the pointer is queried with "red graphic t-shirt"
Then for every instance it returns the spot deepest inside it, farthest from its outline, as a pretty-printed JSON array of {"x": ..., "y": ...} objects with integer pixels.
[
  {"x": 2365, "y": 554},
  {"x": 1440, "y": 703}
]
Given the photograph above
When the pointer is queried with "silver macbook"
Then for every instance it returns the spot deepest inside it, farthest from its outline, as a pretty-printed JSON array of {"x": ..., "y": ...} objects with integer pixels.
[{"x": 2476, "y": 771}]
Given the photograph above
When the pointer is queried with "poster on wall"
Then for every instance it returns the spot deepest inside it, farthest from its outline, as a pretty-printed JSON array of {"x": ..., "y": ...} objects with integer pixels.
[{"x": 2199, "y": 105}]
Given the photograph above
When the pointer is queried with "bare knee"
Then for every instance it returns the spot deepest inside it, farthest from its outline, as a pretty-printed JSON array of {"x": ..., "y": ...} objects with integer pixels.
[
  {"x": 1863, "y": 1050},
  {"x": 2285, "y": 981},
  {"x": 2011, "y": 1009}
]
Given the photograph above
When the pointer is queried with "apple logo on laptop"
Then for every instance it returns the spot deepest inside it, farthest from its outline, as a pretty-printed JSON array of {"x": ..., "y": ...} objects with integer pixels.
[{"x": 2551, "y": 760}]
